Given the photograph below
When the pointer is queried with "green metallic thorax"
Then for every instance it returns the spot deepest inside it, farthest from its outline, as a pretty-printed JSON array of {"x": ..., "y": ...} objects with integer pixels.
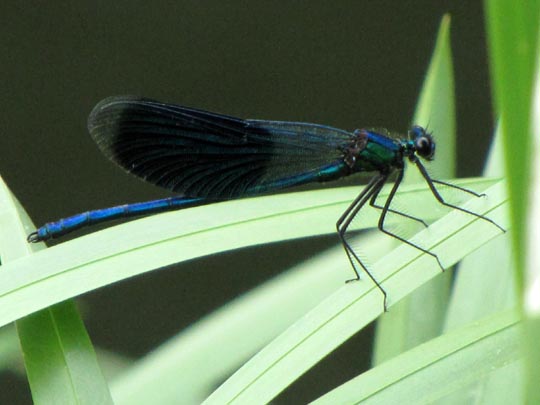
[{"x": 377, "y": 152}]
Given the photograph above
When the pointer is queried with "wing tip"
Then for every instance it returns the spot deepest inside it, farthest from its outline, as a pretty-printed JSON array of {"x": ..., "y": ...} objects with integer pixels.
[{"x": 121, "y": 102}]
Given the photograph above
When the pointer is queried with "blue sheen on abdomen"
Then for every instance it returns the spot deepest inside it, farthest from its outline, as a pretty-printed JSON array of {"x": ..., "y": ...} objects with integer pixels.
[{"x": 69, "y": 224}]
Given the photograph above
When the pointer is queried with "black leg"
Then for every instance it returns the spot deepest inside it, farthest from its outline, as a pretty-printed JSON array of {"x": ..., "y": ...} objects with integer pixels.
[
  {"x": 383, "y": 216},
  {"x": 366, "y": 191},
  {"x": 374, "y": 186},
  {"x": 346, "y": 218},
  {"x": 373, "y": 203},
  {"x": 439, "y": 198},
  {"x": 466, "y": 190}
]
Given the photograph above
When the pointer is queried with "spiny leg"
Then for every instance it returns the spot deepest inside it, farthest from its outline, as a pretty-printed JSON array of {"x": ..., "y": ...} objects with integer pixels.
[
  {"x": 439, "y": 198},
  {"x": 345, "y": 220},
  {"x": 373, "y": 203},
  {"x": 466, "y": 190},
  {"x": 383, "y": 217},
  {"x": 403, "y": 214},
  {"x": 362, "y": 196}
]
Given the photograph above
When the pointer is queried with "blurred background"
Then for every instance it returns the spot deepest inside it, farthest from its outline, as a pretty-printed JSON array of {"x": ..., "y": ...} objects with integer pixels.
[{"x": 347, "y": 64}]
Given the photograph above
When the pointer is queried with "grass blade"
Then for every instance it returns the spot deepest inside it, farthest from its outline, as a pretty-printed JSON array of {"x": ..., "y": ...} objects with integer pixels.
[
  {"x": 421, "y": 315},
  {"x": 356, "y": 304},
  {"x": 434, "y": 369},
  {"x": 72, "y": 268},
  {"x": 59, "y": 358}
]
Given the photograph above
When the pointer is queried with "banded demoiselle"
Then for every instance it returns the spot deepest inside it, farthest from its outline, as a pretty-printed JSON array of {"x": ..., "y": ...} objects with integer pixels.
[{"x": 208, "y": 157}]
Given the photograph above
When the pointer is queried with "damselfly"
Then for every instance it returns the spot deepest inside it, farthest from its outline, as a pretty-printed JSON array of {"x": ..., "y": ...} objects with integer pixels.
[{"x": 208, "y": 157}]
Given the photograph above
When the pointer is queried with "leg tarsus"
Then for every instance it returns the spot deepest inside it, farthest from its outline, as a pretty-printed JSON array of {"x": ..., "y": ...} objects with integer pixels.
[
  {"x": 373, "y": 187},
  {"x": 441, "y": 200}
]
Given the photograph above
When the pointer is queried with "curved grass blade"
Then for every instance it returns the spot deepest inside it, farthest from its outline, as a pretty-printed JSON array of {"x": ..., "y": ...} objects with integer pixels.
[
  {"x": 190, "y": 364},
  {"x": 441, "y": 366},
  {"x": 420, "y": 316},
  {"x": 354, "y": 306},
  {"x": 72, "y": 268},
  {"x": 476, "y": 295},
  {"x": 59, "y": 358},
  {"x": 60, "y": 361},
  {"x": 513, "y": 38}
]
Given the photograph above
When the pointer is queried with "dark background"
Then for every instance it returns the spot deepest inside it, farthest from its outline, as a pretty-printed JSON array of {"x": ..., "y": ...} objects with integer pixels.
[{"x": 347, "y": 64}]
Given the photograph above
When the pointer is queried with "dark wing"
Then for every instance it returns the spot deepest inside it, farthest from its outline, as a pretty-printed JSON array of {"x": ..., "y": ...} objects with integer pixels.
[{"x": 203, "y": 154}]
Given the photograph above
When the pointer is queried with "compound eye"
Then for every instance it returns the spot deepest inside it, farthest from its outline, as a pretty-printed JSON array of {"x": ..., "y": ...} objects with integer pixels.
[
  {"x": 417, "y": 132},
  {"x": 425, "y": 147}
]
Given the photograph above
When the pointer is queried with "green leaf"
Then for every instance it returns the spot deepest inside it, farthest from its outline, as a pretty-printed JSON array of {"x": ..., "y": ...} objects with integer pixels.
[
  {"x": 72, "y": 268},
  {"x": 532, "y": 262},
  {"x": 436, "y": 109},
  {"x": 484, "y": 285},
  {"x": 59, "y": 358},
  {"x": 55, "y": 274},
  {"x": 356, "y": 304},
  {"x": 60, "y": 361},
  {"x": 421, "y": 315},
  {"x": 189, "y": 364},
  {"x": 476, "y": 295},
  {"x": 434, "y": 369},
  {"x": 10, "y": 354},
  {"x": 513, "y": 36},
  {"x": 513, "y": 41}
]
